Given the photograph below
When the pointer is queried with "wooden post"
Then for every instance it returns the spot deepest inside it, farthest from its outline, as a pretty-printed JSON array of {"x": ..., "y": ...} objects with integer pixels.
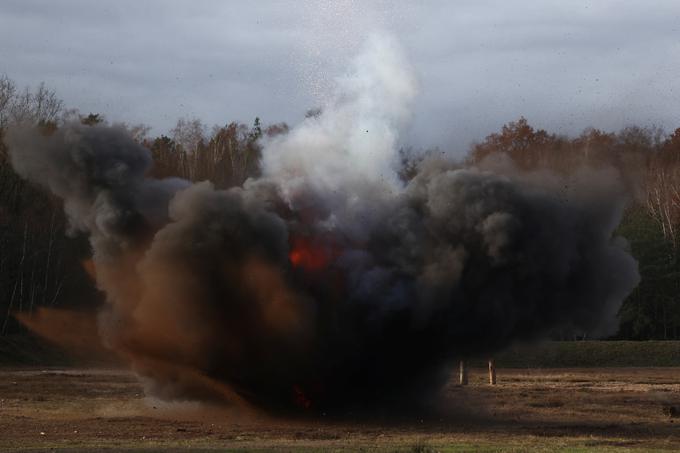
[
  {"x": 492, "y": 372},
  {"x": 463, "y": 375}
]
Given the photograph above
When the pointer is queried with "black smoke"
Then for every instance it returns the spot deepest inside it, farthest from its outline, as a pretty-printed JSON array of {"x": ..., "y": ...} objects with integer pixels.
[{"x": 289, "y": 301}]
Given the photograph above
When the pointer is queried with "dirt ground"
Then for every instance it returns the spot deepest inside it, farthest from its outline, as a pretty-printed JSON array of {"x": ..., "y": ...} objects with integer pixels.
[{"x": 604, "y": 409}]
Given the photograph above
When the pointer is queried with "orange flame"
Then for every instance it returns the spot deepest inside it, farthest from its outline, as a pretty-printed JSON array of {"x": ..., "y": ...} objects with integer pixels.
[{"x": 308, "y": 255}]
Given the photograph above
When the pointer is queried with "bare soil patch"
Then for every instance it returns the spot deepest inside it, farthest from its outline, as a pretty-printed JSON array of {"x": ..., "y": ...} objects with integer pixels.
[{"x": 575, "y": 409}]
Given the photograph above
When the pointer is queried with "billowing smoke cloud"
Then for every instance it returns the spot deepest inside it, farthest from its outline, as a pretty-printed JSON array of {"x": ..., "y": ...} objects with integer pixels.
[{"x": 327, "y": 281}]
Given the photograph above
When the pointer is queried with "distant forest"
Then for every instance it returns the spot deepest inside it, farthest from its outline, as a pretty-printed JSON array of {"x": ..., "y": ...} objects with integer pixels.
[{"x": 41, "y": 265}]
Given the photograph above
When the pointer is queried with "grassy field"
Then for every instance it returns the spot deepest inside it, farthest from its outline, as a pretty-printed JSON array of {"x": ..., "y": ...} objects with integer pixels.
[
  {"x": 554, "y": 397},
  {"x": 557, "y": 354},
  {"x": 549, "y": 410}
]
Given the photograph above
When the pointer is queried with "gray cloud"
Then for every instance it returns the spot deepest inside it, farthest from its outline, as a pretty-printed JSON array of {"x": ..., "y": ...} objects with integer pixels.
[{"x": 564, "y": 65}]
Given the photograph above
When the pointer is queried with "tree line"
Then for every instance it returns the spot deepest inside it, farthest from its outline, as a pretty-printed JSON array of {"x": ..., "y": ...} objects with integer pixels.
[{"x": 41, "y": 265}]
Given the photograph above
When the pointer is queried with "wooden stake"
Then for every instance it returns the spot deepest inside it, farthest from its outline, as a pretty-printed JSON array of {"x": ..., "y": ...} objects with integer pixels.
[
  {"x": 463, "y": 375},
  {"x": 492, "y": 372}
]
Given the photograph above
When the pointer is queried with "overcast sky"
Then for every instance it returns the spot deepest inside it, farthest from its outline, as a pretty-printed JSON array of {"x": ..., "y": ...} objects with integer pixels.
[{"x": 562, "y": 64}]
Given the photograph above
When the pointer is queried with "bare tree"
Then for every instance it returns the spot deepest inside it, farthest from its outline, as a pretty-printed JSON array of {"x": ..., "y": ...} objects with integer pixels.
[
  {"x": 42, "y": 106},
  {"x": 188, "y": 133},
  {"x": 662, "y": 186},
  {"x": 46, "y": 106},
  {"x": 7, "y": 93}
]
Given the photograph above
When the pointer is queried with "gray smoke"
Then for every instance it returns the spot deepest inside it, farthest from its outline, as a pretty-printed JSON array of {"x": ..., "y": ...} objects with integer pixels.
[{"x": 327, "y": 281}]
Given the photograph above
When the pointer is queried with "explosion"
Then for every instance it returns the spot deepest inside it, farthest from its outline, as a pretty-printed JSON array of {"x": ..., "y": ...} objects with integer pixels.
[
  {"x": 327, "y": 281},
  {"x": 308, "y": 255}
]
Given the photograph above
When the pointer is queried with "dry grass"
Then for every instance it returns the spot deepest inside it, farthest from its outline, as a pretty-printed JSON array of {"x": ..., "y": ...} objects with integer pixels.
[
  {"x": 557, "y": 354},
  {"x": 529, "y": 410}
]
